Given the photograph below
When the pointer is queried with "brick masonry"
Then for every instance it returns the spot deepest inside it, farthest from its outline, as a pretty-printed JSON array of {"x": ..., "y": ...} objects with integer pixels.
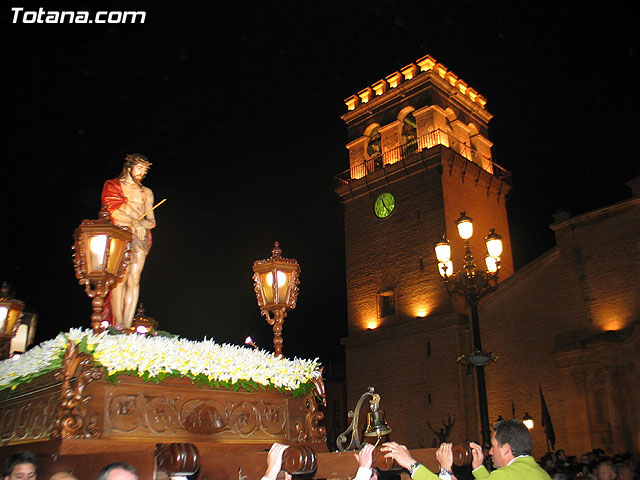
[{"x": 567, "y": 322}]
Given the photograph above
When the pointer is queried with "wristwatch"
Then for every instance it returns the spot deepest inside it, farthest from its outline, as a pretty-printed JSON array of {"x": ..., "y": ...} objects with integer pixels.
[
  {"x": 445, "y": 473},
  {"x": 413, "y": 467}
]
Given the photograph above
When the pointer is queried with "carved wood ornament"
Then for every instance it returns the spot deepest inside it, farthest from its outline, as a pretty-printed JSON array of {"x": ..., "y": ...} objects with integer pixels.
[
  {"x": 312, "y": 431},
  {"x": 73, "y": 421}
]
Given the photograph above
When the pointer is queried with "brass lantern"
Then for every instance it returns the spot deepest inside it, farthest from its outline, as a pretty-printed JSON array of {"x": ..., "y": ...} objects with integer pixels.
[
  {"x": 100, "y": 257},
  {"x": 142, "y": 323},
  {"x": 10, "y": 313},
  {"x": 276, "y": 285}
]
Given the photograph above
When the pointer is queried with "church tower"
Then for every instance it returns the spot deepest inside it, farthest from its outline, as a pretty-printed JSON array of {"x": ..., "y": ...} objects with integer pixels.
[{"x": 419, "y": 155}]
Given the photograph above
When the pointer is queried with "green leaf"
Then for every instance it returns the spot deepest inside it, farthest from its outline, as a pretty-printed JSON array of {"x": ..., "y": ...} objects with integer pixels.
[
  {"x": 247, "y": 385},
  {"x": 82, "y": 345}
]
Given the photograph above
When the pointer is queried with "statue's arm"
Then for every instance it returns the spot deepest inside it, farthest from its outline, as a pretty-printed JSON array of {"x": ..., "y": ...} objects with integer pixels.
[
  {"x": 149, "y": 221},
  {"x": 123, "y": 215}
]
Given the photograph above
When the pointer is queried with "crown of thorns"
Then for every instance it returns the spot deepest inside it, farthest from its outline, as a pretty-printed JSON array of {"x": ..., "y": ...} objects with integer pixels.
[{"x": 138, "y": 159}]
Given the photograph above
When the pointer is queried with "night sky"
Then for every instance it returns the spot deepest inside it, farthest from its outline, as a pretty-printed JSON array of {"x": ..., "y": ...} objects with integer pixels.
[{"x": 239, "y": 110}]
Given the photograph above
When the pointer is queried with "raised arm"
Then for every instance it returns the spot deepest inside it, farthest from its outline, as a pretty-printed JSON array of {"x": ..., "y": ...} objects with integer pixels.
[{"x": 274, "y": 461}]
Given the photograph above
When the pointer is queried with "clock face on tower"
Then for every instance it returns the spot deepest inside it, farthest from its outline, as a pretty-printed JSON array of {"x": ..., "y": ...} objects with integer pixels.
[{"x": 385, "y": 203}]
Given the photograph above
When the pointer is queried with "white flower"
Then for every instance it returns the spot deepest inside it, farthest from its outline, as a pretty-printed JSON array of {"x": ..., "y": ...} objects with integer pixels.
[{"x": 167, "y": 356}]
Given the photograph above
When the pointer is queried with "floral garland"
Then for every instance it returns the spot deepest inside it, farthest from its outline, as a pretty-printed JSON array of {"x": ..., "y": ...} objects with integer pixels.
[{"x": 156, "y": 358}]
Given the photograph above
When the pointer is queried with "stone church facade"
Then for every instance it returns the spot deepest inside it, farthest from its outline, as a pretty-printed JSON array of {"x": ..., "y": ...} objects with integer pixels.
[{"x": 419, "y": 155}]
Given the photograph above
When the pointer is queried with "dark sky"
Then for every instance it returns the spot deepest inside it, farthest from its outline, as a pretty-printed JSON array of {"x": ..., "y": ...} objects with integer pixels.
[{"x": 239, "y": 110}]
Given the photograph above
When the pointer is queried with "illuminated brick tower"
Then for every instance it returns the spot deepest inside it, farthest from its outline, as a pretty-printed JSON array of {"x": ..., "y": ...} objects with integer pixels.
[{"x": 419, "y": 155}]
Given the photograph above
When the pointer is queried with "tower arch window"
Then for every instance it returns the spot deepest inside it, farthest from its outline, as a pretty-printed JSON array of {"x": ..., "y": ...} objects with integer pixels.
[
  {"x": 450, "y": 140},
  {"x": 374, "y": 145},
  {"x": 408, "y": 132}
]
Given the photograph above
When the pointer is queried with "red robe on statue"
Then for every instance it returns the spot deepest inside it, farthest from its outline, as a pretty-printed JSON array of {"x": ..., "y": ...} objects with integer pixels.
[{"x": 112, "y": 196}]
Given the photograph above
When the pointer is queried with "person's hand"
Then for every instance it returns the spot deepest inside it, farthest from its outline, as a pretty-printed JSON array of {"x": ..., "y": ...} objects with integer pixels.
[
  {"x": 365, "y": 456},
  {"x": 478, "y": 456},
  {"x": 399, "y": 453},
  {"x": 444, "y": 455},
  {"x": 274, "y": 460}
]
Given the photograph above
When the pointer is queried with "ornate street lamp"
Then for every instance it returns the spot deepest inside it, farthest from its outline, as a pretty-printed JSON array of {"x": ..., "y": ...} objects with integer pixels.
[
  {"x": 10, "y": 313},
  {"x": 527, "y": 420},
  {"x": 101, "y": 253},
  {"x": 472, "y": 283},
  {"x": 276, "y": 286}
]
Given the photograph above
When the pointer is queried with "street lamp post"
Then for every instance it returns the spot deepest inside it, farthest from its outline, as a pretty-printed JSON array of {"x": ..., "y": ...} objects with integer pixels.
[{"x": 472, "y": 283}]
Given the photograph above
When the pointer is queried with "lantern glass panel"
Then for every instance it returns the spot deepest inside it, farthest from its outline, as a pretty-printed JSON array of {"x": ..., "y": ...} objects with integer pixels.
[
  {"x": 8, "y": 318},
  {"x": 116, "y": 250},
  {"x": 20, "y": 341},
  {"x": 465, "y": 229},
  {"x": 492, "y": 264},
  {"x": 95, "y": 257},
  {"x": 281, "y": 283},
  {"x": 443, "y": 252},
  {"x": 267, "y": 287},
  {"x": 4, "y": 312},
  {"x": 494, "y": 247}
]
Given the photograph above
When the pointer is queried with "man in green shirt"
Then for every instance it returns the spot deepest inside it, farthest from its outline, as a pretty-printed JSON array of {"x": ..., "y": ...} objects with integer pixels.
[{"x": 510, "y": 452}]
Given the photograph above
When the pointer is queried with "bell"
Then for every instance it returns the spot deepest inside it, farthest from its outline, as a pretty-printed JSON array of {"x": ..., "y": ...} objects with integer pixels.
[{"x": 377, "y": 425}]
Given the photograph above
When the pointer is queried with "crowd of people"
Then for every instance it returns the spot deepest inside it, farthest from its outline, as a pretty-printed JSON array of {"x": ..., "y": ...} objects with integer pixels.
[
  {"x": 594, "y": 465},
  {"x": 23, "y": 466},
  {"x": 509, "y": 458}
]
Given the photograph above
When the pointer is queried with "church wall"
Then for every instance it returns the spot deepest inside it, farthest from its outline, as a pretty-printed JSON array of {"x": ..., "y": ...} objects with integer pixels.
[
  {"x": 604, "y": 249},
  {"x": 413, "y": 367},
  {"x": 519, "y": 324},
  {"x": 542, "y": 322}
]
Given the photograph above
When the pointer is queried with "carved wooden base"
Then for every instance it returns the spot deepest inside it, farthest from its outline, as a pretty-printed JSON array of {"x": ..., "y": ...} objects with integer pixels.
[{"x": 161, "y": 429}]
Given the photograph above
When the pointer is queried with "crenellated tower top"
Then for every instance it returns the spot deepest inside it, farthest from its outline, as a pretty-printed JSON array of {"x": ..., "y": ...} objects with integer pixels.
[{"x": 409, "y": 73}]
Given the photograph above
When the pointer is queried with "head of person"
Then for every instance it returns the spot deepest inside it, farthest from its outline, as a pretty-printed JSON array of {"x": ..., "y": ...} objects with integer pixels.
[
  {"x": 547, "y": 461},
  {"x": 136, "y": 165},
  {"x": 624, "y": 472},
  {"x": 21, "y": 466},
  {"x": 63, "y": 476},
  {"x": 118, "y": 471},
  {"x": 606, "y": 471},
  {"x": 560, "y": 456},
  {"x": 510, "y": 439}
]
